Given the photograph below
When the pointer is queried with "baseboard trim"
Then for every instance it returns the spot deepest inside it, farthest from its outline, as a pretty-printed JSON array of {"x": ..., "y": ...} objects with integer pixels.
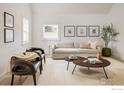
[{"x": 121, "y": 60}]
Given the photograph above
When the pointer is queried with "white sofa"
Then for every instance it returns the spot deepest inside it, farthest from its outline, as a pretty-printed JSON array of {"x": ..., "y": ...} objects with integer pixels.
[{"x": 63, "y": 49}]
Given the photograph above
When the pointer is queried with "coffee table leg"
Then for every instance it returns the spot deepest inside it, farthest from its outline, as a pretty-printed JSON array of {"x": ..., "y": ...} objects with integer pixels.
[
  {"x": 88, "y": 68},
  {"x": 74, "y": 69},
  {"x": 105, "y": 73},
  {"x": 68, "y": 65}
]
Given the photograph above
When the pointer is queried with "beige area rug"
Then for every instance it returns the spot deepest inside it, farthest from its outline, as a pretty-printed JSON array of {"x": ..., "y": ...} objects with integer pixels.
[{"x": 55, "y": 73}]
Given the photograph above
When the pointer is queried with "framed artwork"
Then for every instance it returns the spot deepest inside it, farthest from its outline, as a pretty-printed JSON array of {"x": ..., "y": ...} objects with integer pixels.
[
  {"x": 51, "y": 32},
  {"x": 81, "y": 31},
  {"x": 8, "y": 35},
  {"x": 8, "y": 20},
  {"x": 50, "y": 28},
  {"x": 69, "y": 31},
  {"x": 94, "y": 30}
]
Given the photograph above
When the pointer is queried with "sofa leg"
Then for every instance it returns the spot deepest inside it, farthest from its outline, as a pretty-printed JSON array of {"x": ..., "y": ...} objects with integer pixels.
[
  {"x": 34, "y": 78},
  {"x": 12, "y": 79}
]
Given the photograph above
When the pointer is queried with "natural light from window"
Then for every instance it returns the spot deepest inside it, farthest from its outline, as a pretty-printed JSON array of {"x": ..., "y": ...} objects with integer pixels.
[{"x": 25, "y": 31}]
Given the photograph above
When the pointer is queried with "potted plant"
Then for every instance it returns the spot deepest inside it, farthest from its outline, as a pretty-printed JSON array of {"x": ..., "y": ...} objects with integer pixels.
[{"x": 108, "y": 34}]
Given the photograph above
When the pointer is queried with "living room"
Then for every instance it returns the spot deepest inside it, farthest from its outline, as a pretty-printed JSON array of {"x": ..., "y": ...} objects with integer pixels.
[{"x": 62, "y": 15}]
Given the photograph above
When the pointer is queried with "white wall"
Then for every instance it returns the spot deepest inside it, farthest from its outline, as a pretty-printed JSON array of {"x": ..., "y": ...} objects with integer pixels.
[
  {"x": 116, "y": 16},
  {"x": 8, "y": 49},
  {"x": 62, "y": 20}
]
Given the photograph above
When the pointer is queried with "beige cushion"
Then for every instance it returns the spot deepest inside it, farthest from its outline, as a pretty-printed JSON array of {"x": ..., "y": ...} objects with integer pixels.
[
  {"x": 85, "y": 45},
  {"x": 76, "y": 44},
  {"x": 74, "y": 51},
  {"x": 65, "y": 45},
  {"x": 27, "y": 56},
  {"x": 93, "y": 44}
]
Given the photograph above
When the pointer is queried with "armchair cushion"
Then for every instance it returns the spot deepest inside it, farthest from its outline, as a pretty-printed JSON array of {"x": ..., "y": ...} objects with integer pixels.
[{"x": 28, "y": 56}]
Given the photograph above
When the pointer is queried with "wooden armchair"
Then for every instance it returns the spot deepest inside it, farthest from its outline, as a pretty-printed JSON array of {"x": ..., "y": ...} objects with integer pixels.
[{"x": 24, "y": 67}]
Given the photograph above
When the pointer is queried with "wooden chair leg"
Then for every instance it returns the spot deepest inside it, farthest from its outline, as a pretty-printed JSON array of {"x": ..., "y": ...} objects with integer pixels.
[
  {"x": 40, "y": 68},
  {"x": 12, "y": 79},
  {"x": 34, "y": 78},
  {"x": 44, "y": 59}
]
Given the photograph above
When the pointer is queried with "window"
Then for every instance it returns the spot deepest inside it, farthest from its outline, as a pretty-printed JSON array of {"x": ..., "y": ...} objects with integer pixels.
[
  {"x": 50, "y": 32},
  {"x": 25, "y": 36}
]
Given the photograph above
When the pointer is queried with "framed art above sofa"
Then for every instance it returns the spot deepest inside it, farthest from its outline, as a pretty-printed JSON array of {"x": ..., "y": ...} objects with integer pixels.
[
  {"x": 69, "y": 31},
  {"x": 81, "y": 31},
  {"x": 94, "y": 31}
]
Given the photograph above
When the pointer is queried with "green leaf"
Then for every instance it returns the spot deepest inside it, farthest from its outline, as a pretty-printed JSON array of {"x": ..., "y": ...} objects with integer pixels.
[{"x": 108, "y": 34}]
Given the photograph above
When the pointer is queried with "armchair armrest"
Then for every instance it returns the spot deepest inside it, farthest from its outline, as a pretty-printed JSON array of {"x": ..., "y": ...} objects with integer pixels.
[{"x": 32, "y": 49}]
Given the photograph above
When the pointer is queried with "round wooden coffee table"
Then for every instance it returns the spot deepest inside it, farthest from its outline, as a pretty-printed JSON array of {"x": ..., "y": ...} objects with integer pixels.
[
  {"x": 80, "y": 62},
  {"x": 71, "y": 60}
]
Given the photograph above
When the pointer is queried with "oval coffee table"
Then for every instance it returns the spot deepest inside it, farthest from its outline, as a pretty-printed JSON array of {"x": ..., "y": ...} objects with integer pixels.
[
  {"x": 80, "y": 62},
  {"x": 72, "y": 59}
]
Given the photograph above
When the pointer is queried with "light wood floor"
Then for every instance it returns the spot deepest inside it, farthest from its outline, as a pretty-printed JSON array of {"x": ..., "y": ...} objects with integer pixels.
[{"x": 55, "y": 73}]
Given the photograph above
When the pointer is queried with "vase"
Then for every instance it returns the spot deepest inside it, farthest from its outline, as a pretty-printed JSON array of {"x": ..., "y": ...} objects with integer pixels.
[
  {"x": 98, "y": 55},
  {"x": 106, "y": 52}
]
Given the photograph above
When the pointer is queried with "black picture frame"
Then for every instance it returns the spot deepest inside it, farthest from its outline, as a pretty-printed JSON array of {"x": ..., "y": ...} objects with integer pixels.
[
  {"x": 69, "y": 31},
  {"x": 81, "y": 31},
  {"x": 93, "y": 30},
  {"x": 8, "y": 35},
  {"x": 8, "y": 20}
]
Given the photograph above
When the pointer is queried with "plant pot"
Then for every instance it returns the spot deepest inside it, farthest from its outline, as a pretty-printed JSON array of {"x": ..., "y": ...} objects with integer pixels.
[{"x": 106, "y": 52}]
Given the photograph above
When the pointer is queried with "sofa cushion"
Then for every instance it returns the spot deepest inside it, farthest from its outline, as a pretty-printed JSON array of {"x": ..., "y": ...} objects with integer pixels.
[
  {"x": 93, "y": 44},
  {"x": 65, "y": 45},
  {"x": 85, "y": 45},
  {"x": 76, "y": 44},
  {"x": 74, "y": 51}
]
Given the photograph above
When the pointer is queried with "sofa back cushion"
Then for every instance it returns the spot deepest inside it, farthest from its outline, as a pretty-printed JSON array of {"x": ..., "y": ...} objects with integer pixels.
[
  {"x": 76, "y": 44},
  {"x": 65, "y": 45},
  {"x": 85, "y": 45},
  {"x": 93, "y": 44}
]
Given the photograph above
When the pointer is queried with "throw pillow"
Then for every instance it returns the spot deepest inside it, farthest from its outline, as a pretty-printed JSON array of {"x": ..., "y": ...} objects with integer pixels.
[
  {"x": 85, "y": 45},
  {"x": 93, "y": 44}
]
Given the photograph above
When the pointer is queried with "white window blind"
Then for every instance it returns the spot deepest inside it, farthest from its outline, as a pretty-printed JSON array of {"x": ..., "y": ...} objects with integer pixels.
[{"x": 25, "y": 36}]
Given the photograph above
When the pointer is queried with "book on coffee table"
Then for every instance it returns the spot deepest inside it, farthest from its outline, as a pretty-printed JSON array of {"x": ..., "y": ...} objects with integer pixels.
[
  {"x": 72, "y": 57},
  {"x": 94, "y": 60}
]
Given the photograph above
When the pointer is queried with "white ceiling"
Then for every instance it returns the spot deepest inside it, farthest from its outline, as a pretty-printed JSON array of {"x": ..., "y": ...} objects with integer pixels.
[{"x": 69, "y": 8}]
